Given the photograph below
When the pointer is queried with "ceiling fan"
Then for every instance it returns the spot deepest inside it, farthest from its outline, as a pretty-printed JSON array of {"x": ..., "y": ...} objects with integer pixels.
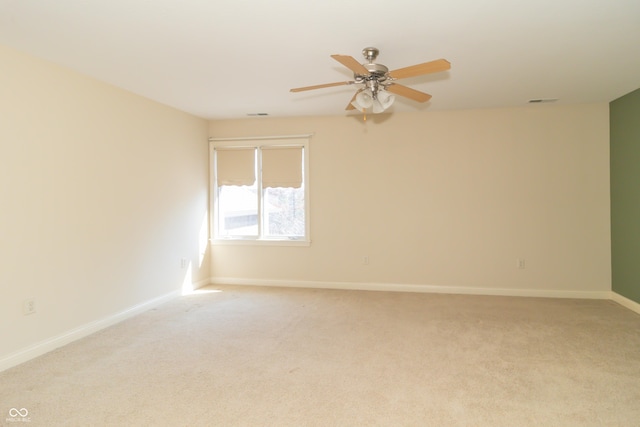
[{"x": 378, "y": 82}]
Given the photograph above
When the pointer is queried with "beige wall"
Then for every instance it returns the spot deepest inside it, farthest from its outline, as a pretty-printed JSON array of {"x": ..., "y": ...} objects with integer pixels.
[
  {"x": 103, "y": 192},
  {"x": 448, "y": 200}
]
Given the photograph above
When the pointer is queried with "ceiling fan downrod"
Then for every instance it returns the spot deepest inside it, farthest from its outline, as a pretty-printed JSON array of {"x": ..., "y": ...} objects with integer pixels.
[{"x": 370, "y": 53}]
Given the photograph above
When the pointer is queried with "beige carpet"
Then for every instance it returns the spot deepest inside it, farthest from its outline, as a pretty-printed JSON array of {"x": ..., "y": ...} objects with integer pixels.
[{"x": 247, "y": 356}]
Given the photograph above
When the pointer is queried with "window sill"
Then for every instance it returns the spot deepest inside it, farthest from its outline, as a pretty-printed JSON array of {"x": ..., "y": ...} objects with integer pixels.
[{"x": 260, "y": 242}]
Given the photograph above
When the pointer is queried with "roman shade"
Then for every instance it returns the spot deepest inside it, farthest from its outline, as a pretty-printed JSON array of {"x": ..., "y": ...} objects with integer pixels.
[
  {"x": 235, "y": 166},
  {"x": 282, "y": 167}
]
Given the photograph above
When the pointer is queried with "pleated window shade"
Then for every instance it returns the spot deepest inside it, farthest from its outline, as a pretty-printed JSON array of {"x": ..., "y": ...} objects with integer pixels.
[
  {"x": 282, "y": 167},
  {"x": 235, "y": 166}
]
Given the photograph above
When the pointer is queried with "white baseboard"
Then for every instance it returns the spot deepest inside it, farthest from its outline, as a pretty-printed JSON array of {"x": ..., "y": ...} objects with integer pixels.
[
  {"x": 626, "y": 302},
  {"x": 544, "y": 293},
  {"x": 50, "y": 344}
]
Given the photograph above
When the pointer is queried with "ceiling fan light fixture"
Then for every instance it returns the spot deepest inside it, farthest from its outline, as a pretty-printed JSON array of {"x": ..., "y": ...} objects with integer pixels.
[
  {"x": 363, "y": 100},
  {"x": 380, "y": 103},
  {"x": 383, "y": 101}
]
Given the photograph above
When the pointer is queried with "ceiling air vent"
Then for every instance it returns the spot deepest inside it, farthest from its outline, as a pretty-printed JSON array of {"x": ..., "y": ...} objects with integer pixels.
[{"x": 542, "y": 100}]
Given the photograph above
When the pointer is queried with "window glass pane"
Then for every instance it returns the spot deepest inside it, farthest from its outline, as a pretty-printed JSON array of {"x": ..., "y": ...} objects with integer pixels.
[
  {"x": 284, "y": 212},
  {"x": 238, "y": 210}
]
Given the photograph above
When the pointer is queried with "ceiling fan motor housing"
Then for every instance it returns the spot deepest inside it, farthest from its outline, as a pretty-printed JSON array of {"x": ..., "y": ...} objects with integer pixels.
[{"x": 377, "y": 72}]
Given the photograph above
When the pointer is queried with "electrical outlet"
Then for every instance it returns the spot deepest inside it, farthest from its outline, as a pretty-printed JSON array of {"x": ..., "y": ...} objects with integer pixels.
[
  {"x": 521, "y": 263},
  {"x": 29, "y": 306},
  {"x": 365, "y": 260},
  {"x": 183, "y": 263}
]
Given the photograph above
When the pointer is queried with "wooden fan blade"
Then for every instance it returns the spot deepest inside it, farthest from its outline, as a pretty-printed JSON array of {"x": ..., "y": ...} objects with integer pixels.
[
  {"x": 407, "y": 92},
  {"x": 300, "y": 89},
  {"x": 351, "y": 63},
  {"x": 420, "y": 69}
]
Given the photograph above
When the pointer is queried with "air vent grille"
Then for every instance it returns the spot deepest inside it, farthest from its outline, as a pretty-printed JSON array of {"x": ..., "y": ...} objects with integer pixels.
[{"x": 542, "y": 100}]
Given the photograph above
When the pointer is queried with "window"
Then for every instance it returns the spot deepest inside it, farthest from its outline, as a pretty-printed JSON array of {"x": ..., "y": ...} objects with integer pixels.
[{"x": 260, "y": 190}]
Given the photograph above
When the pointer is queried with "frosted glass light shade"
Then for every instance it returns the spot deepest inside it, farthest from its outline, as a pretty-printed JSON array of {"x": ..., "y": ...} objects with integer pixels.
[
  {"x": 383, "y": 102},
  {"x": 363, "y": 100}
]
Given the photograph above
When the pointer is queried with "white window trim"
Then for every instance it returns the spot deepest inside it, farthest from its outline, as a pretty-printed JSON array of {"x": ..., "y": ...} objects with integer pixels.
[{"x": 258, "y": 142}]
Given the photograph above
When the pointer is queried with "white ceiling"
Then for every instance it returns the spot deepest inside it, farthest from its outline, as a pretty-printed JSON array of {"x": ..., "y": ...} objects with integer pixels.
[{"x": 222, "y": 59}]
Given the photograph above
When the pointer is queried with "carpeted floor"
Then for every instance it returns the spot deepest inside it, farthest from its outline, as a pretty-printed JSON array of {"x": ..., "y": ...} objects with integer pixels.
[{"x": 244, "y": 356}]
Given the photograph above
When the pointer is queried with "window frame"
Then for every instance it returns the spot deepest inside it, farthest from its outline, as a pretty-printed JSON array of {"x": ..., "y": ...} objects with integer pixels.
[{"x": 258, "y": 143}]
